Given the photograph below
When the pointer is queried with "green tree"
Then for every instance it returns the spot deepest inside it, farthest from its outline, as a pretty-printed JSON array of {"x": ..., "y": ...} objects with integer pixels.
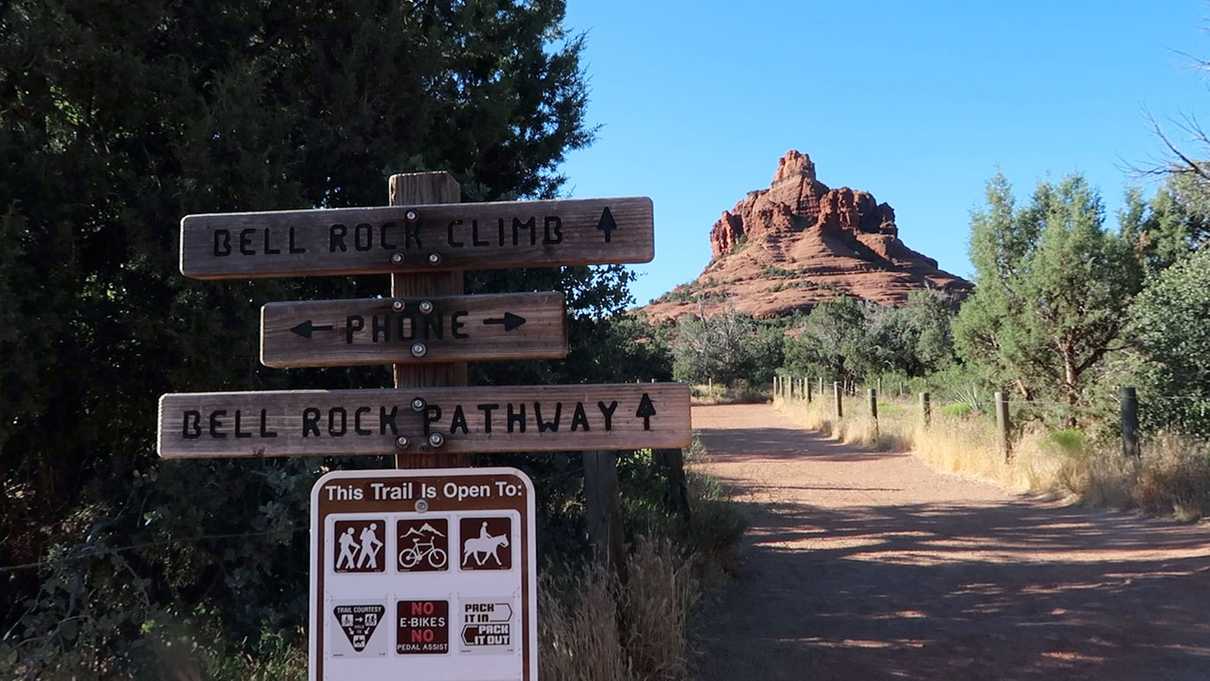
[
  {"x": 831, "y": 340},
  {"x": 1170, "y": 328},
  {"x": 1052, "y": 289},
  {"x": 725, "y": 348},
  {"x": 1173, "y": 224},
  {"x": 118, "y": 119}
]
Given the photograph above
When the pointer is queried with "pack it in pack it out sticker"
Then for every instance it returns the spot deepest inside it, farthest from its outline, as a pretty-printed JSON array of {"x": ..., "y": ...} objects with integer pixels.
[
  {"x": 487, "y": 625},
  {"x": 359, "y": 546},
  {"x": 423, "y": 627},
  {"x": 357, "y": 629},
  {"x": 423, "y": 544},
  {"x": 486, "y": 543}
]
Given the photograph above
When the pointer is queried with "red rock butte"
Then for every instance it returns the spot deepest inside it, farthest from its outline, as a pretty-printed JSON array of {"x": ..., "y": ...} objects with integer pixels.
[{"x": 798, "y": 243}]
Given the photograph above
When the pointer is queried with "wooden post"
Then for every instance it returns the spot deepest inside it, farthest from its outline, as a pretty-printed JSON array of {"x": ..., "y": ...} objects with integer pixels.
[
  {"x": 838, "y": 398},
  {"x": 819, "y": 386},
  {"x": 415, "y": 189},
  {"x": 1002, "y": 424},
  {"x": 806, "y": 383},
  {"x": 602, "y": 511},
  {"x": 1130, "y": 422},
  {"x": 676, "y": 494},
  {"x": 925, "y": 409},
  {"x": 872, "y": 396}
]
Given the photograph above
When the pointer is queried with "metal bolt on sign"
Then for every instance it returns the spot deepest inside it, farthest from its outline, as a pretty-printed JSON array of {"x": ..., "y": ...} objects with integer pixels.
[{"x": 419, "y": 349}]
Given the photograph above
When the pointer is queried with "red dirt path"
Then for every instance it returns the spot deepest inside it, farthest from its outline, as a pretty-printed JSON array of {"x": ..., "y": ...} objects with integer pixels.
[{"x": 869, "y": 565}]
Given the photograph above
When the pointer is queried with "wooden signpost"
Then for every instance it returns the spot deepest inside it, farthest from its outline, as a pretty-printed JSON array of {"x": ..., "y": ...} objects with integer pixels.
[
  {"x": 414, "y": 330},
  {"x": 418, "y": 421},
  {"x": 388, "y": 598},
  {"x": 417, "y": 239}
]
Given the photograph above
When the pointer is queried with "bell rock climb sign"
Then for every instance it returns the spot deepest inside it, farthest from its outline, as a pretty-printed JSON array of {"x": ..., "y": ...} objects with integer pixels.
[
  {"x": 424, "y": 574},
  {"x": 411, "y": 239}
]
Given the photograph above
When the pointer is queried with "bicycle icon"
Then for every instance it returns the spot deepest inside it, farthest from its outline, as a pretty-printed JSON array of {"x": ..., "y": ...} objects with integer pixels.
[{"x": 422, "y": 551}]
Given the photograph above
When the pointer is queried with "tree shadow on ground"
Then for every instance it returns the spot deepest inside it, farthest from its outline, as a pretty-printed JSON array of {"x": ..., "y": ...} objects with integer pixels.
[{"x": 1005, "y": 589}]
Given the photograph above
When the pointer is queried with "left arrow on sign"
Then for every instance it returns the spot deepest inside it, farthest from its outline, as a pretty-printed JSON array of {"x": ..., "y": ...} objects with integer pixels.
[{"x": 306, "y": 328}]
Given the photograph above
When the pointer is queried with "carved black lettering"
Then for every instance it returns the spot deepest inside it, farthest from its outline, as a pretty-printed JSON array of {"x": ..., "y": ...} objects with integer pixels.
[
  {"x": 269, "y": 249},
  {"x": 310, "y": 422},
  {"x": 215, "y": 424},
  {"x": 353, "y": 324},
  {"x": 382, "y": 235},
  {"x": 338, "y": 421},
  {"x": 552, "y": 426},
  {"x": 386, "y": 419},
  {"x": 579, "y": 419},
  {"x": 245, "y": 241},
  {"x": 264, "y": 425},
  {"x": 454, "y": 243},
  {"x": 336, "y": 238},
  {"x": 458, "y": 421},
  {"x": 379, "y": 328},
  {"x": 357, "y": 421},
  {"x": 295, "y": 249},
  {"x": 456, "y": 325},
  {"x": 191, "y": 424},
  {"x": 531, "y": 225},
  {"x": 363, "y": 237},
  {"x": 607, "y": 412},
  {"x": 238, "y": 433},
  {"x": 515, "y": 418},
  {"x": 411, "y": 233},
  {"x": 552, "y": 230},
  {"x": 222, "y": 242},
  {"x": 432, "y": 414},
  {"x": 487, "y": 410},
  {"x": 434, "y": 326},
  {"x": 475, "y": 240},
  {"x": 500, "y": 230}
]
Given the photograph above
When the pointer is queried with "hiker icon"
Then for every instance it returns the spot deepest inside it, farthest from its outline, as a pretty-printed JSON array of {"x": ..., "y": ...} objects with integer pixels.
[
  {"x": 486, "y": 547},
  {"x": 360, "y": 545}
]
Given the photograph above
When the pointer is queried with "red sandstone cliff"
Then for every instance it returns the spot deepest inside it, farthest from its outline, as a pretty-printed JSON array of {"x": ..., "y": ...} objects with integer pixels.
[{"x": 799, "y": 242}]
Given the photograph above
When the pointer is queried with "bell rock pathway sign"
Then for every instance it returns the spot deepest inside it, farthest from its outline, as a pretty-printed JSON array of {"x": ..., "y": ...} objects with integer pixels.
[
  {"x": 423, "y": 574},
  {"x": 549, "y": 418},
  {"x": 410, "y": 239},
  {"x": 413, "y": 330}
]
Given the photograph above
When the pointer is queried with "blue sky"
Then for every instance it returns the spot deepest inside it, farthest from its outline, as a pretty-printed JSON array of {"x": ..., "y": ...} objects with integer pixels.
[{"x": 916, "y": 102}]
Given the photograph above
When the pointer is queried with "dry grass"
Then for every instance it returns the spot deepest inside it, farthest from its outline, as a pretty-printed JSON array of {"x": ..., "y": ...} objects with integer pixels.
[
  {"x": 592, "y": 628},
  {"x": 1173, "y": 475}
]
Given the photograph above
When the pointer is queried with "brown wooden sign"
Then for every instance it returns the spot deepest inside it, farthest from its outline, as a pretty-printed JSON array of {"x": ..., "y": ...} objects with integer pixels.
[
  {"x": 414, "y": 330},
  {"x": 409, "y": 239},
  {"x": 424, "y": 420}
]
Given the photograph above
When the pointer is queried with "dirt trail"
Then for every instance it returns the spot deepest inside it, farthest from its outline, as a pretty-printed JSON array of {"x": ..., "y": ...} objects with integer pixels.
[{"x": 864, "y": 565}]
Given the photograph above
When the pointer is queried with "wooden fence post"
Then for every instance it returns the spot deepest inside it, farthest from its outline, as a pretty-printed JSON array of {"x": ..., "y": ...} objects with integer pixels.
[
  {"x": 806, "y": 384},
  {"x": 838, "y": 398},
  {"x": 603, "y": 510},
  {"x": 925, "y": 409},
  {"x": 819, "y": 386},
  {"x": 872, "y": 396},
  {"x": 676, "y": 494},
  {"x": 1130, "y": 422},
  {"x": 1002, "y": 424},
  {"x": 416, "y": 189}
]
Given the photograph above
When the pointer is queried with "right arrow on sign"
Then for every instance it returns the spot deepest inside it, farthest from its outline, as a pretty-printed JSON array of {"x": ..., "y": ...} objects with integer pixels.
[
  {"x": 606, "y": 224},
  {"x": 645, "y": 411},
  {"x": 510, "y": 321}
]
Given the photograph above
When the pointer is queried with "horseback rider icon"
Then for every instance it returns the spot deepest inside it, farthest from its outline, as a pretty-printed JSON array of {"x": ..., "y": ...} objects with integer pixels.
[{"x": 485, "y": 548}]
